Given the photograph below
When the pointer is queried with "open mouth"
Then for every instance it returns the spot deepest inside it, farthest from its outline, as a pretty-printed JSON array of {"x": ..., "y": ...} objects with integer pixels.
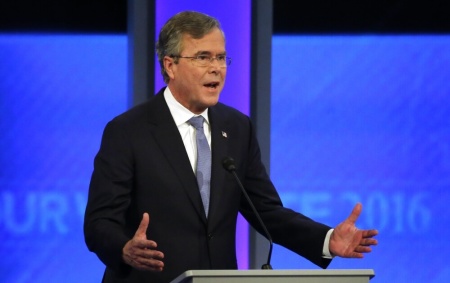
[{"x": 212, "y": 85}]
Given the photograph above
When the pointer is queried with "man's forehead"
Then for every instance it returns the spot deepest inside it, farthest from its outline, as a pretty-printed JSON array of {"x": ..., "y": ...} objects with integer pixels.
[
  {"x": 214, "y": 32},
  {"x": 210, "y": 43}
]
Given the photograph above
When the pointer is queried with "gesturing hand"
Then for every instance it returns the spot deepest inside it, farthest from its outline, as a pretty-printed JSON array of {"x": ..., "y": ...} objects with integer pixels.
[
  {"x": 348, "y": 241},
  {"x": 140, "y": 253}
]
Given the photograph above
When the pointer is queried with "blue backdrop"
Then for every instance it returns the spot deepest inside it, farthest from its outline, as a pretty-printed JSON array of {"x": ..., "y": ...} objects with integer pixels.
[
  {"x": 56, "y": 93},
  {"x": 366, "y": 119},
  {"x": 358, "y": 118}
]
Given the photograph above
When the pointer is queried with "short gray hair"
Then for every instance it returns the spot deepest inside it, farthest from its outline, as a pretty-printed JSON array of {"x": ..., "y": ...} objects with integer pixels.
[{"x": 192, "y": 23}]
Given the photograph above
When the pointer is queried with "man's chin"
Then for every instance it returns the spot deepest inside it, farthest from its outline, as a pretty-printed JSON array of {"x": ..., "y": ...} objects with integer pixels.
[{"x": 211, "y": 102}]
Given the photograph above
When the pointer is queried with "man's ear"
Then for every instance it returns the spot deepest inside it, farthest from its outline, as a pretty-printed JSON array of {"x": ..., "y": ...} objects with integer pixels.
[{"x": 169, "y": 66}]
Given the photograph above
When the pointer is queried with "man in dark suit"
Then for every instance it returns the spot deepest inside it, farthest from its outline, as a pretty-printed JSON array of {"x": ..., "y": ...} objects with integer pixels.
[{"x": 147, "y": 166}]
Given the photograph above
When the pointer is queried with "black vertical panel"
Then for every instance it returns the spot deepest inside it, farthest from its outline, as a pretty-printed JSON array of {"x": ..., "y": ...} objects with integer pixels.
[
  {"x": 261, "y": 46},
  {"x": 141, "y": 50}
]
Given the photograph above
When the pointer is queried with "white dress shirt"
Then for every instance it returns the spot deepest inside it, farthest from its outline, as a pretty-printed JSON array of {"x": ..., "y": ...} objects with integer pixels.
[{"x": 181, "y": 115}]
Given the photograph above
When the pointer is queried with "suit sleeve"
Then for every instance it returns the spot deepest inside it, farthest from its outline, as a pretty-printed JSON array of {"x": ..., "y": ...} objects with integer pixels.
[
  {"x": 109, "y": 197},
  {"x": 288, "y": 228}
]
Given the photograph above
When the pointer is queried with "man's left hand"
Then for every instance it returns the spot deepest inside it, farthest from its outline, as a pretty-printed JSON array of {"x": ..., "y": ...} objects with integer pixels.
[{"x": 349, "y": 241}]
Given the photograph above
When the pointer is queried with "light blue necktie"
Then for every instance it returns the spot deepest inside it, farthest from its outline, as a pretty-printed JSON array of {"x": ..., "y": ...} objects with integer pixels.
[{"x": 203, "y": 161}]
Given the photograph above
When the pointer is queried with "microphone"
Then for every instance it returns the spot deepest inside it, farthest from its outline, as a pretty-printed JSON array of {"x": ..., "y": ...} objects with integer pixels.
[{"x": 229, "y": 165}]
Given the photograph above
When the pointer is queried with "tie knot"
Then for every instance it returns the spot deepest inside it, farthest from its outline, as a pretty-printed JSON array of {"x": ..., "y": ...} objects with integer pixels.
[{"x": 197, "y": 122}]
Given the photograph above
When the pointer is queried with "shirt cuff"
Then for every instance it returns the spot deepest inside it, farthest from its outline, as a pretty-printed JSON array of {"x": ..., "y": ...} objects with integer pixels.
[{"x": 326, "y": 245}]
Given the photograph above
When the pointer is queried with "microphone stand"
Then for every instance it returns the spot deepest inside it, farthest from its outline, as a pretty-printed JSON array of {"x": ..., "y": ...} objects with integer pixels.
[{"x": 229, "y": 165}]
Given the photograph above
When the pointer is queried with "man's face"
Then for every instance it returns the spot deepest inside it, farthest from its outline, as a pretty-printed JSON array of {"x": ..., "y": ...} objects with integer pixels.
[{"x": 197, "y": 87}]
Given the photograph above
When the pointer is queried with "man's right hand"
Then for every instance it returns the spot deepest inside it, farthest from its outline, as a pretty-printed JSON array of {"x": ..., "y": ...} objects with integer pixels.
[{"x": 140, "y": 253}]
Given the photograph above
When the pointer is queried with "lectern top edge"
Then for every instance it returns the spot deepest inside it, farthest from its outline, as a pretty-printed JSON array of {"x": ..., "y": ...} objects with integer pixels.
[{"x": 336, "y": 273}]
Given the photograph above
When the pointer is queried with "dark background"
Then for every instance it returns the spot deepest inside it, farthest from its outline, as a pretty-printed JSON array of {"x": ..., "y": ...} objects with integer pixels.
[{"x": 305, "y": 16}]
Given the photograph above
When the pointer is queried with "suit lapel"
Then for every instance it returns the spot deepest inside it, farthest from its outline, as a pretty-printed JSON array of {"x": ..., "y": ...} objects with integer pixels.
[
  {"x": 166, "y": 134},
  {"x": 219, "y": 142}
]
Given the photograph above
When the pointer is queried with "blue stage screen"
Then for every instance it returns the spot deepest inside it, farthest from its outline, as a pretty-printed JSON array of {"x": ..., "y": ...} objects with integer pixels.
[
  {"x": 57, "y": 92},
  {"x": 365, "y": 118}
]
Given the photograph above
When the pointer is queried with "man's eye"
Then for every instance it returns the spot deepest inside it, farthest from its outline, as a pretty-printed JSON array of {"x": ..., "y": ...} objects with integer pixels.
[
  {"x": 203, "y": 58},
  {"x": 221, "y": 58}
]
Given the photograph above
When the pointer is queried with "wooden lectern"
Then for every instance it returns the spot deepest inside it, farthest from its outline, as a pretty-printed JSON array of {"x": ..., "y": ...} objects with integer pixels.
[{"x": 276, "y": 276}]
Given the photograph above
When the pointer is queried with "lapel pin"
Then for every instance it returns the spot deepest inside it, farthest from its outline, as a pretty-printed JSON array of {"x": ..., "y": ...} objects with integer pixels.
[{"x": 224, "y": 134}]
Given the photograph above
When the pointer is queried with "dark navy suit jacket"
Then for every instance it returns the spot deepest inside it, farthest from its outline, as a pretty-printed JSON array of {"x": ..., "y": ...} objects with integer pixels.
[{"x": 142, "y": 166}]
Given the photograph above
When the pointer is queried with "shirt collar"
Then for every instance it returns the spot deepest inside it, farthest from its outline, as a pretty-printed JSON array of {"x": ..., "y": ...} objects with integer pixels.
[{"x": 180, "y": 113}]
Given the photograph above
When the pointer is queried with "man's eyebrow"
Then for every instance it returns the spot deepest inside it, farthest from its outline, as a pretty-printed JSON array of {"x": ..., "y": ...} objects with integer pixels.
[{"x": 209, "y": 53}]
